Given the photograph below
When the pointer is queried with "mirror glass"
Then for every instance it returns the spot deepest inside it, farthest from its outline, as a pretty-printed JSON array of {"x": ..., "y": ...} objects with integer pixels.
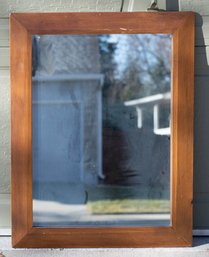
[{"x": 101, "y": 130}]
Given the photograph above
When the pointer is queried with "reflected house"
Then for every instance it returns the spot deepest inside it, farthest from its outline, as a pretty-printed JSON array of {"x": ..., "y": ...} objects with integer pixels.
[
  {"x": 155, "y": 101},
  {"x": 140, "y": 148},
  {"x": 67, "y": 111}
]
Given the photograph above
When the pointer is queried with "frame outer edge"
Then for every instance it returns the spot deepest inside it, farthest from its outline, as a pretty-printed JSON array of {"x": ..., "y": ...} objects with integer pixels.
[
  {"x": 20, "y": 56},
  {"x": 22, "y": 231}
]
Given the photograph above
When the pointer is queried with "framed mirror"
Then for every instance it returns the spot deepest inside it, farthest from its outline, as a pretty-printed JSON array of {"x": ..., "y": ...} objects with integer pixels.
[{"x": 102, "y": 129}]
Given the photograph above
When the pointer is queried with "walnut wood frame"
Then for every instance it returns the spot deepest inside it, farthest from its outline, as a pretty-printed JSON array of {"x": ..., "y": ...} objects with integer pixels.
[{"x": 181, "y": 26}]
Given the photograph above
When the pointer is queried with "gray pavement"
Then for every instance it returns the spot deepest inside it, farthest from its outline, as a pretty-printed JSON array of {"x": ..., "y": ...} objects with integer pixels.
[{"x": 50, "y": 213}]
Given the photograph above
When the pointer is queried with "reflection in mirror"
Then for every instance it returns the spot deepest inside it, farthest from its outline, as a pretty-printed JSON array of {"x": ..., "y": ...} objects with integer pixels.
[{"x": 101, "y": 130}]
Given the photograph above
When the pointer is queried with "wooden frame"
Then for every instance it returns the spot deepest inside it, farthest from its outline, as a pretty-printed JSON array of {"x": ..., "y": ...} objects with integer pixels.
[{"x": 181, "y": 26}]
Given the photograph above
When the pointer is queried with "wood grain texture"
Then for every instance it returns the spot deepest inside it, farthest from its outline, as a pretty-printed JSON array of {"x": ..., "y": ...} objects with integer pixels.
[
  {"x": 94, "y": 23},
  {"x": 181, "y": 26},
  {"x": 111, "y": 237},
  {"x": 20, "y": 130},
  {"x": 201, "y": 30},
  {"x": 182, "y": 129}
]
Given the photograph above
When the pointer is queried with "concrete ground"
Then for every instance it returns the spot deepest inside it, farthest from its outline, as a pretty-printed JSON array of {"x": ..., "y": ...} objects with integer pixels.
[
  {"x": 200, "y": 249},
  {"x": 50, "y": 213},
  {"x": 64, "y": 204}
]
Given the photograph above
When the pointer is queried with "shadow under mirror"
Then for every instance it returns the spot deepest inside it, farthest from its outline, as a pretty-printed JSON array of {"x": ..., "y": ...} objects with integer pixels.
[{"x": 101, "y": 130}]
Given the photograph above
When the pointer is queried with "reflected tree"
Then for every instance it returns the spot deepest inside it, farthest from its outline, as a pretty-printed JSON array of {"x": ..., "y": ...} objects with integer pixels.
[{"x": 134, "y": 66}]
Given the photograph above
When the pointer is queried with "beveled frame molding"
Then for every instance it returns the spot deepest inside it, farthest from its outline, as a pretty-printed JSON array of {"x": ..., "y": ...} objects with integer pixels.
[{"x": 181, "y": 26}]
